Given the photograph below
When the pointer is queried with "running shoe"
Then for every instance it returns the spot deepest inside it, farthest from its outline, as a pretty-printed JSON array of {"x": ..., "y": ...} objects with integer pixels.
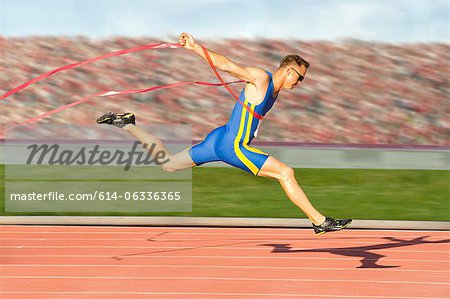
[
  {"x": 118, "y": 120},
  {"x": 331, "y": 225}
]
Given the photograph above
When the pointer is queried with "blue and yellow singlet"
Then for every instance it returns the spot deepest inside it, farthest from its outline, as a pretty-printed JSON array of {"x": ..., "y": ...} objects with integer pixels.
[{"x": 230, "y": 143}]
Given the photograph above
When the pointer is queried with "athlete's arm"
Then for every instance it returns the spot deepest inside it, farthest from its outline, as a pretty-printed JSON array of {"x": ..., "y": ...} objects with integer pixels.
[{"x": 252, "y": 75}]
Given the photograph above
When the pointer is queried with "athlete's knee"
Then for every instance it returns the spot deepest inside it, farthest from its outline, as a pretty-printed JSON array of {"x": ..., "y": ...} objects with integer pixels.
[{"x": 286, "y": 172}]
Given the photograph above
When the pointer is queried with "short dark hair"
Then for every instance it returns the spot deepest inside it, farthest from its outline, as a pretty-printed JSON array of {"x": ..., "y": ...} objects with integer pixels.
[{"x": 292, "y": 58}]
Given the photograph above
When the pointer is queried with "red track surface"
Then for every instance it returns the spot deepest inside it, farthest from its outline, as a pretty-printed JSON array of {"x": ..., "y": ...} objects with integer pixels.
[{"x": 160, "y": 262}]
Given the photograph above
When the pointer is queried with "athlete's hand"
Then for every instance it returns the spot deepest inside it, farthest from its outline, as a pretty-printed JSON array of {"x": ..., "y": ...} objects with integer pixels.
[{"x": 187, "y": 41}]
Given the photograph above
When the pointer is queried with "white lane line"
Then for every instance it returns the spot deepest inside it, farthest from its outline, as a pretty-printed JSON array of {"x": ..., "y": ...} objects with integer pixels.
[
  {"x": 162, "y": 240},
  {"x": 171, "y": 278},
  {"x": 156, "y": 232},
  {"x": 182, "y": 228},
  {"x": 214, "y": 247},
  {"x": 221, "y": 266},
  {"x": 210, "y": 233},
  {"x": 212, "y": 257},
  {"x": 220, "y": 294},
  {"x": 348, "y": 242}
]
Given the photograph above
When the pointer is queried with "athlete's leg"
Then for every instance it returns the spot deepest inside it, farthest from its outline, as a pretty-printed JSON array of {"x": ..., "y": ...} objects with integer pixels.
[
  {"x": 176, "y": 161},
  {"x": 285, "y": 175}
]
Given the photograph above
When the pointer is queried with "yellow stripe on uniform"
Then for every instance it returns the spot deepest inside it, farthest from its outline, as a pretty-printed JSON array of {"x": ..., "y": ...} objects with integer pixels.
[
  {"x": 237, "y": 150},
  {"x": 247, "y": 134}
]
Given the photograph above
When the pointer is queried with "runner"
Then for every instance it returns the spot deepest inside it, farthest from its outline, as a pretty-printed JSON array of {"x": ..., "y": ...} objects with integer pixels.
[{"x": 231, "y": 143}]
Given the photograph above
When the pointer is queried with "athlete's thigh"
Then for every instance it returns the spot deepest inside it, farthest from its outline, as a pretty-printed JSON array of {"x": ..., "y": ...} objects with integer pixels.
[
  {"x": 271, "y": 168},
  {"x": 180, "y": 160},
  {"x": 204, "y": 151}
]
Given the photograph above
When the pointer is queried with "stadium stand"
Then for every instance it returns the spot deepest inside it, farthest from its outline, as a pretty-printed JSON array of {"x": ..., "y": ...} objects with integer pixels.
[{"x": 354, "y": 92}]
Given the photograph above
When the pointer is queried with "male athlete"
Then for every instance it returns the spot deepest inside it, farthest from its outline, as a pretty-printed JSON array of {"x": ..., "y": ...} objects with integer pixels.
[{"x": 230, "y": 143}]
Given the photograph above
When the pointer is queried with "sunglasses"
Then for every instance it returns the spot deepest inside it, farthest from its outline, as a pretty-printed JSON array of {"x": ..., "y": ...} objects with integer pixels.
[{"x": 300, "y": 76}]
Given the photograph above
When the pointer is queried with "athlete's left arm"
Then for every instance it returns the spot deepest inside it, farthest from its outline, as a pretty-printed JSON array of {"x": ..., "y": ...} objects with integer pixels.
[{"x": 251, "y": 75}]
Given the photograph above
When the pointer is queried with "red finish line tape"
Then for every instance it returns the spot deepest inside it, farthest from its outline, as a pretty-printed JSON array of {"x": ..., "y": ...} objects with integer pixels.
[
  {"x": 121, "y": 92},
  {"x": 106, "y": 94},
  {"x": 205, "y": 51},
  {"x": 77, "y": 64}
]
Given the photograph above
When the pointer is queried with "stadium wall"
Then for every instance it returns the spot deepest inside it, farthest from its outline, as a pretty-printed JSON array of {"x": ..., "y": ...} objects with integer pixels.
[{"x": 303, "y": 155}]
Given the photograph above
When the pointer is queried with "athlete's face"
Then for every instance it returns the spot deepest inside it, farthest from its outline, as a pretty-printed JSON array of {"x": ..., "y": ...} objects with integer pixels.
[{"x": 295, "y": 75}]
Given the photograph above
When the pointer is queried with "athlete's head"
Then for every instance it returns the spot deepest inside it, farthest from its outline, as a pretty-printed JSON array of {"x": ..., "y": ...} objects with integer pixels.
[{"x": 293, "y": 68}]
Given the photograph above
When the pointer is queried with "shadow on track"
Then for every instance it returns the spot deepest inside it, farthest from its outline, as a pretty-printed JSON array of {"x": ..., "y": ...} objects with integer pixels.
[{"x": 368, "y": 259}]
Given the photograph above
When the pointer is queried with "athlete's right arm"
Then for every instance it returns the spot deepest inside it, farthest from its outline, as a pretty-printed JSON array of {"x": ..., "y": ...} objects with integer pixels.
[{"x": 248, "y": 74}]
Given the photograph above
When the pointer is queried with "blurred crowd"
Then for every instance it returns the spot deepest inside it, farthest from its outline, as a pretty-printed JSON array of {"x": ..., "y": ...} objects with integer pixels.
[{"x": 354, "y": 91}]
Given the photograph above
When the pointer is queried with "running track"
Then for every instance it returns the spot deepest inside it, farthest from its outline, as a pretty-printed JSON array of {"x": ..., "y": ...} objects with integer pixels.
[{"x": 179, "y": 262}]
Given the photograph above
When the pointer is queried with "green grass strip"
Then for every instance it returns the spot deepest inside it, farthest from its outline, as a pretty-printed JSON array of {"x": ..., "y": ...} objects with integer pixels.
[{"x": 356, "y": 193}]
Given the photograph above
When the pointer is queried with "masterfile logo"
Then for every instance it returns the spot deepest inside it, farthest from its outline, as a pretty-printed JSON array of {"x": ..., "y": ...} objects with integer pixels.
[{"x": 95, "y": 156}]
